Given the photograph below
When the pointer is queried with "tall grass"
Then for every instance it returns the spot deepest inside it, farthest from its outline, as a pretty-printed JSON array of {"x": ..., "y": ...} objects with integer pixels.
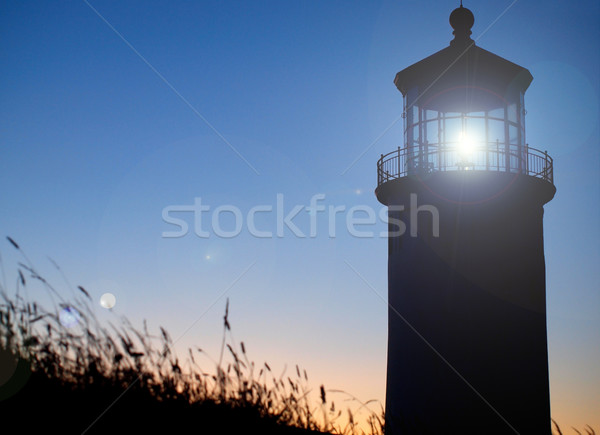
[
  {"x": 61, "y": 368},
  {"x": 64, "y": 369}
]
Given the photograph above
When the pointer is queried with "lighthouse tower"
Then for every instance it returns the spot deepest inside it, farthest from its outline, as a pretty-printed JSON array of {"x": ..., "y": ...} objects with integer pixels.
[{"x": 467, "y": 344}]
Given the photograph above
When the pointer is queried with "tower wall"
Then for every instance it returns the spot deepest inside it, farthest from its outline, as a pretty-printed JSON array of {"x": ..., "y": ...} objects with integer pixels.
[{"x": 476, "y": 294}]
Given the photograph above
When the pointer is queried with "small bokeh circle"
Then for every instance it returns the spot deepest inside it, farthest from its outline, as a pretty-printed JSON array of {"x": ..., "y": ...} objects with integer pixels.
[
  {"x": 108, "y": 300},
  {"x": 69, "y": 317}
]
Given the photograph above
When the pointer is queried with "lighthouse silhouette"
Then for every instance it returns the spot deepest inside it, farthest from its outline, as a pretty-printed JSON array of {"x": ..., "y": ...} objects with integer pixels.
[{"x": 467, "y": 342}]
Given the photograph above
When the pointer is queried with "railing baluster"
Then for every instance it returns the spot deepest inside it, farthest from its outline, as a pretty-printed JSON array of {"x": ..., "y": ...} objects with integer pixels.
[
  {"x": 398, "y": 162},
  {"x": 526, "y": 159},
  {"x": 497, "y": 155}
]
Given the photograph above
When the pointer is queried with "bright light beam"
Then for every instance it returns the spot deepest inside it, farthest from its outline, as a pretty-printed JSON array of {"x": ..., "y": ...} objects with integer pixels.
[{"x": 466, "y": 146}]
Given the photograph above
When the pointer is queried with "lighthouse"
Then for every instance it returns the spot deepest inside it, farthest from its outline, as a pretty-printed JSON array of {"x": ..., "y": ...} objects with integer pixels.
[{"x": 467, "y": 341}]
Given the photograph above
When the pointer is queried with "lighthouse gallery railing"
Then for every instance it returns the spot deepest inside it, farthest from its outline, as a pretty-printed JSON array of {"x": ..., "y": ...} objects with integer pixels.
[{"x": 497, "y": 157}]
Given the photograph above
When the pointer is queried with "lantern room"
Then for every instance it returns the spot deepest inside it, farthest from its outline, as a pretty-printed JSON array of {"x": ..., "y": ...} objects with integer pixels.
[{"x": 464, "y": 110}]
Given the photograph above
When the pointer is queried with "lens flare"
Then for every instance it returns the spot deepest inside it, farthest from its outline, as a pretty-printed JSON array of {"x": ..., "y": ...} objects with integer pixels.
[
  {"x": 466, "y": 145},
  {"x": 108, "y": 300},
  {"x": 68, "y": 317}
]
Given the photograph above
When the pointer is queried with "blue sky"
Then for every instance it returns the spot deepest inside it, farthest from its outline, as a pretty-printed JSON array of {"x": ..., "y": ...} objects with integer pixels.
[{"x": 94, "y": 144}]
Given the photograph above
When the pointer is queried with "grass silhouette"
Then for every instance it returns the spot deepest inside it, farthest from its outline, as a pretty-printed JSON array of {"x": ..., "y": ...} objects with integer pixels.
[{"x": 63, "y": 369}]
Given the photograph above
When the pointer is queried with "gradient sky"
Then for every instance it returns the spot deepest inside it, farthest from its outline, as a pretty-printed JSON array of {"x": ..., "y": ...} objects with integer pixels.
[{"x": 94, "y": 144}]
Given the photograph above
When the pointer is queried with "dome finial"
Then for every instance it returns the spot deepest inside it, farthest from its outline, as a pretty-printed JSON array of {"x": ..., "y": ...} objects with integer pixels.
[{"x": 461, "y": 20}]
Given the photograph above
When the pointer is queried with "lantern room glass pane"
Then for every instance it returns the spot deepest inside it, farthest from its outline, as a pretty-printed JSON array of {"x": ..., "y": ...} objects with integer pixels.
[
  {"x": 495, "y": 131},
  {"x": 497, "y": 113},
  {"x": 513, "y": 135},
  {"x": 452, "y": 128},
  {"x": 512, "y": 112},
  {"x": 432, "y": 132},
  {"x": 474, "y": 131}
]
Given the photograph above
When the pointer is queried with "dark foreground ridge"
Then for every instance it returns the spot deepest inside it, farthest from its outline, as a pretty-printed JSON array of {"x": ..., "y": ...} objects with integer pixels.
[{"x": 49, "y": 403}]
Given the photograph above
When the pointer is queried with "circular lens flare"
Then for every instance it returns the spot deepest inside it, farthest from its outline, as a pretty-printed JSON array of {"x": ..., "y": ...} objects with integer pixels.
[{"x": 108, "y": 300}]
